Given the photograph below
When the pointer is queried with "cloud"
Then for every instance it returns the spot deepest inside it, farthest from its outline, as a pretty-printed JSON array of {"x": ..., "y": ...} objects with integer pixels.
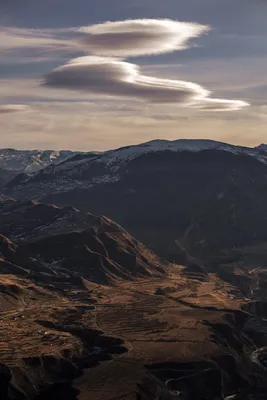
[
  {"x": 114, "y": 77},
  {"x": 107, "y": 76},
  {"x": 210, "y": 104},
  {"x": 44, "y": 39},
  {"x": 106, "y": 72},
  {"x": 139, "y": 37},
  {"x": 13, "y": 108},
  {"x": 121, "y": 38}
]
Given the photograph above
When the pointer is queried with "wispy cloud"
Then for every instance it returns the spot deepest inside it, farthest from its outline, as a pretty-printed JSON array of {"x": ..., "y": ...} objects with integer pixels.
[
  {"x": 211, "y": 104},
  {"x": 13, "y": 108},
  {"x": 16, "y": 38}
]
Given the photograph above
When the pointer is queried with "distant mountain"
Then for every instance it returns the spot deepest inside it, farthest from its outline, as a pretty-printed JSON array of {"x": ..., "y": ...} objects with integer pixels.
[
  {"x": 262, "y": 147},
  {"x": 187, "y": 199},
  {"x": 66, "y": 240},
  {"x": 31, "y": 160}
]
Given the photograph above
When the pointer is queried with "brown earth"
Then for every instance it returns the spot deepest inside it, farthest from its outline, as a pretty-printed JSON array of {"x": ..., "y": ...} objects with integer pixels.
[
  {"x": 51, "y": 338},
  {"x": 133, "y": 327}
]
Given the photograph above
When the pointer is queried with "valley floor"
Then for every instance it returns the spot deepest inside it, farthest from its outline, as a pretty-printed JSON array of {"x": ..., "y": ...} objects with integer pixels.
[{"x": 178, "y": 337}]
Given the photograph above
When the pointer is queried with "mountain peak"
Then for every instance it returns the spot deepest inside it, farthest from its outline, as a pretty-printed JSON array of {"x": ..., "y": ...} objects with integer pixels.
[
  {"x": 262, "y": 147},
  {"x": 191, "y": 145}
]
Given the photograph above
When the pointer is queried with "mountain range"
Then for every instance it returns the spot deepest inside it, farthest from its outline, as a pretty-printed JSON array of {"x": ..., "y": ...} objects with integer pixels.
[
  {"x": 168, "y": 302},
  {"x": 186, "y": 200}
]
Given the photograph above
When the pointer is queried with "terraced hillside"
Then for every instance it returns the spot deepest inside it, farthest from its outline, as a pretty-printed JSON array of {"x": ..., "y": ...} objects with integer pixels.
[{"x": 135, "y": 328}]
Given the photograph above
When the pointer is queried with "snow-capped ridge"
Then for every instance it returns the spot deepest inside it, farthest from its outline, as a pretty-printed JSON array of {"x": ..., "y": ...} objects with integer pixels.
[
  {"x": 125, "y": 154},
  {"x": 32, "y": 161},
  {"x": 87, "y": 170}
]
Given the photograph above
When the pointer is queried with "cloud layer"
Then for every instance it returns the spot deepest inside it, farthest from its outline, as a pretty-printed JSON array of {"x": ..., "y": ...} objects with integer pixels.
[{"x": 139, "y": 37}]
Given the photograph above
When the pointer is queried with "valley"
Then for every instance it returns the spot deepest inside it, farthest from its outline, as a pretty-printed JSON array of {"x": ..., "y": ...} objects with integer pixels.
[{"x": 130, "y": 340}]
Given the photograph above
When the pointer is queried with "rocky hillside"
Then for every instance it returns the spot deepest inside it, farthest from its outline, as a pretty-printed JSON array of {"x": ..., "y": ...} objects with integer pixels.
[
  {"x": 66, "y": 240},
  {"x": 88, "y": 312}
]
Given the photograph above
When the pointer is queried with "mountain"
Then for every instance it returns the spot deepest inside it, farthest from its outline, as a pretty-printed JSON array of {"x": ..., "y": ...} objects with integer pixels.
[
  {"x": 29, "y": 161},
  {"x": 88, "y": 312},
  {"x": 191, "y": 201},
  {"x": 64, "y": 239},
  {"x": 34, "y": 160},
  {"x": 262, "y": 147},
  {"x": 6, "y": 176}
]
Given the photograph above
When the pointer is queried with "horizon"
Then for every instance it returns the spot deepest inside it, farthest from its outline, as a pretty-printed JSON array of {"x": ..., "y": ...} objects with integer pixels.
[
  {"x": 100, "y": 77},
  {"x": 131, "y": 145}
]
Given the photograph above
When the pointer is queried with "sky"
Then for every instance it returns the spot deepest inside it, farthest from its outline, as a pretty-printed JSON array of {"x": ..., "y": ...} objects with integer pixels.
[{"x": 95, "y": 75}]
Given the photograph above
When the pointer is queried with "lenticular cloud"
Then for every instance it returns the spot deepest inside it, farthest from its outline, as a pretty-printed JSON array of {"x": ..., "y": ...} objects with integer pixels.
[
  {"x": 105, "y": 71},
  {"x": 114, "y": 77},
  {"x": 139, "y": 37}
]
